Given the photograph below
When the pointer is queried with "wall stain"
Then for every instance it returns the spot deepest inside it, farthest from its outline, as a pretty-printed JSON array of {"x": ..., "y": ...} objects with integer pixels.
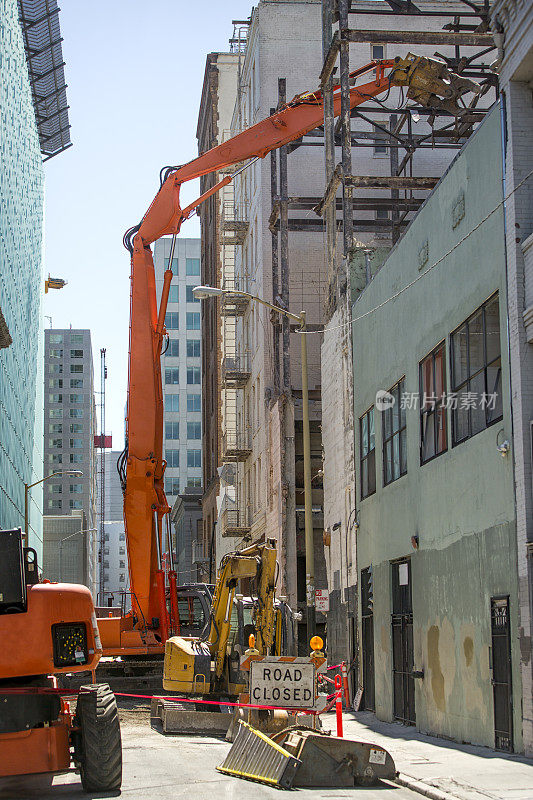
[
  {"x": 468, "y": 647},
  {"x": 437, "y": 678}
]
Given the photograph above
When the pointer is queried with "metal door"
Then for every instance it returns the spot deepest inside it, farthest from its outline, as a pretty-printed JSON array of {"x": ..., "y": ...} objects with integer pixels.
[
  {"x": 501, "y": 674},
  {"x": 402, "y": 643},
  {"x": 367, "y": 636}
]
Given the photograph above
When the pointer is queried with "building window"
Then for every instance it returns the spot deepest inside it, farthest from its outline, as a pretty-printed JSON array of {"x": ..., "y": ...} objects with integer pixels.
[
  {"x": 382, "y": 213},
  {"x": 122, "y": 577},
  {"x": 76, "y": 368},
  {"x": 55, "y": 398},
  {"x": 476, "y": 372},
  {"x": 173, "y": 350},
  {"x": 433, "y": 430},
  {"x": 122, "y": 537},
  {"x": 76, "y": 398},
  {"x": 193, "y": 348},
  {"x": 76, "y": 383},
  {"x": 55, "y": 443},
  {"x": 55, "y": 458},
  {"x": 55, "y": 413},
  {"x": 76, "y": 488},
  {"x": 377, "y": 52},
  {"x": 174, "y": 294},
  {"x": 76, "y": 353},
  {"x": 172, "y": 321},
  {"x": 56, "y": 427},
  {"x": 194, "y": 430},
  {"x": 54, "y": 503},
  {"x": 76, "y": 444},
  {"x": 172, "y": 430},
  {"x": 121, "y": 551},
  {"x": 54, "y": 353},
  {"x": 75, "y": 504},
  {"x": 368, "y": 453},
  {"x": 194, "y": 402},
  {"x": 192, "y": 266},
  {"x": 76, "y": 458},
  {"x": 172, "y": 486},
  {"x": 172, "y": 376},
  {"x": 380, "y": 139},
  {"x": 193, "y": 375},
  {"x": 56, "y": 338},
  {"x": 76, "y": 427},
  {"x": 394, "y": 435},
  {"x": 190, "y": 296},
  {"x": 55, "y": 383},
  {"x": 55, "y": 488},
  {"x": 55, "y": 369},
  {"x": 172, "y": 403},
  {"x": 197, "y": 482},
  {"x": 122, "y": 564},
  {"x": 193, "y": 320},
  {"x": 76, "y": 338},
  {"x": 172, "y": 457},
  {"x": 194, "y": 458},
  {"x": 174, "y": 266},
  {"x": 76, "y": 413}
]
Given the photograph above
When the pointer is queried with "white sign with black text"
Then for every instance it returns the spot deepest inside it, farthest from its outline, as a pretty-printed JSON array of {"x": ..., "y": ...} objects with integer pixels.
[{"x": 288, "y": 684}]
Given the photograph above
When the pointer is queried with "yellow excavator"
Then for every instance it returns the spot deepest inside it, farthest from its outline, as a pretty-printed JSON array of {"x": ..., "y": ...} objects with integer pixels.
[{"x": 210, "y": 665}]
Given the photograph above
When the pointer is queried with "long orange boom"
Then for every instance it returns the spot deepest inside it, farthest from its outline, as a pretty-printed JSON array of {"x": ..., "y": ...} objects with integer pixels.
[{"x": 145, "y": 505}]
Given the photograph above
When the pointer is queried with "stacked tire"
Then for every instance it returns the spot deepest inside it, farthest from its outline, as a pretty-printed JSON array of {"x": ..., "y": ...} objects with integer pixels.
[{"x": 97, "y": 742}]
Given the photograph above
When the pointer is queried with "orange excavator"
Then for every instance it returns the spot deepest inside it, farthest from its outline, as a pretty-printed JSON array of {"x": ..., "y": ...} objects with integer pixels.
[{"x": 154, "y": 613}]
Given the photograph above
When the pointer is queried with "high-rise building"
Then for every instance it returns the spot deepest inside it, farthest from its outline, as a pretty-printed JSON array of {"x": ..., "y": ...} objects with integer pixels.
[
  {"x": 69, "y": 430},
  {"x": 113, "y": 564},
  {"x": 34, "y": 123},
  {"x": 181, "y": 366}
]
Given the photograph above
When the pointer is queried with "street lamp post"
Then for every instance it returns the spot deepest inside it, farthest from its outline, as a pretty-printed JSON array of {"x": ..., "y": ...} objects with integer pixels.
[
  {"x": 203, "y": 293},
  {"x": 75, "y": 473},
  {"x": 88, "y": 530}
]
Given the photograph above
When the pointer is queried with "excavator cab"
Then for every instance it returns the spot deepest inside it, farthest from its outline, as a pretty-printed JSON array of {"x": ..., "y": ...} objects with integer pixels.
[{"x": 48, "y": 629}]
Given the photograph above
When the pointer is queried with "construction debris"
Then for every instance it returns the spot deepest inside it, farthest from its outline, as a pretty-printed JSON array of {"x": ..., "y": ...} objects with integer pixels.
[
  {"x": 306, "y": 758},
  {"x": 256, "y": 757}
]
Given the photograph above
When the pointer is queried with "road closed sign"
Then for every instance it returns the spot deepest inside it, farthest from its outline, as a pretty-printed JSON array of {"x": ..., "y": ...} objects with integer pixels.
[{"x": 289, "y": 684}]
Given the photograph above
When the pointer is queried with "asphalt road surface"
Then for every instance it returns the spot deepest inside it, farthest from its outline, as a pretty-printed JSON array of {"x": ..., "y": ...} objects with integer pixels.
[{"x": 173, "y": 767}]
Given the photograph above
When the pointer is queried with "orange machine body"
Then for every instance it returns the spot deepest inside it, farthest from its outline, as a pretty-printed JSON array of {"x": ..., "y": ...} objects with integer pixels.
[
  {"x": 27, "y": 651},
  {"x": 27, "y": 647},
  {"x": 36, "y": 750}
]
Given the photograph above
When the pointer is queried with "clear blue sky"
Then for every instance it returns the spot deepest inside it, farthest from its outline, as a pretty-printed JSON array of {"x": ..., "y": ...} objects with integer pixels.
[{"x": 134, "y": 72}]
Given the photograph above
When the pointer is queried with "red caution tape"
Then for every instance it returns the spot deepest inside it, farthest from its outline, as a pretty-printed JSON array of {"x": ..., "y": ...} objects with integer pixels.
[{"x": 68, "y": 692}]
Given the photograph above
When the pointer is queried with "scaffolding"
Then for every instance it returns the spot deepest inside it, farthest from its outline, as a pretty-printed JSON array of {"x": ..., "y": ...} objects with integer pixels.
[
  {"x": 236, "y": 358},
  {"x": 465, "y": 25}
]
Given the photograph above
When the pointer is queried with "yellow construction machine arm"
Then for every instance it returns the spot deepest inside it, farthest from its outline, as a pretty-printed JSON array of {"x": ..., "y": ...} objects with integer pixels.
[{"x": 255, "y": 560}]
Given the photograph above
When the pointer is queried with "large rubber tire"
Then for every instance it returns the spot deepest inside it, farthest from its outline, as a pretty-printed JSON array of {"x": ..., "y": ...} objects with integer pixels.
[{"x": 99, "y": 750}]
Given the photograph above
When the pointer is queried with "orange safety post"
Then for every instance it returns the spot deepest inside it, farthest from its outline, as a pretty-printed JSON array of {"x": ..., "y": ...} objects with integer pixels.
[
  {"x": 338, "y": 705},
  {"x": 344, "y": 672}
]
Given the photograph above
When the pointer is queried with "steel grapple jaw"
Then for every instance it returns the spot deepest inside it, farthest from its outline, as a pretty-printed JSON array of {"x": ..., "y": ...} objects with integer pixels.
[{"x": 432, "y": 84}]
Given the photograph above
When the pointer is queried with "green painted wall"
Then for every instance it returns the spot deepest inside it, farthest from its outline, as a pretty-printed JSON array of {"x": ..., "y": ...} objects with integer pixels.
[{"x": 461, "y": 504}]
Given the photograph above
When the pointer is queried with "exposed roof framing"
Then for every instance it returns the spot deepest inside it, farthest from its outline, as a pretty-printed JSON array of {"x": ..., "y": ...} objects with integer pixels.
[{"x": 39, "y": 21}]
